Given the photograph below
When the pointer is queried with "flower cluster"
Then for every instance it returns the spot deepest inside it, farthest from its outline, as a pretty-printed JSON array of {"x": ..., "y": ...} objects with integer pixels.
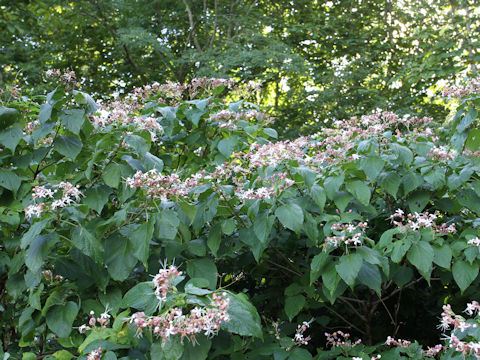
[
  {"x": 472, "y": 88},
  {"x": 162, "y": 282},
  {"x": 441, "y": 153},
  {"x": 48, "y": 276},
  {"x": 68, "y": 77},
  {"x": 460, "y": 324},
  {"x": 70, "y": 194},
  {"x": 95, "y": 354},
  {"x": 299, "y": 338},
  {"x": 399, "y": 342},
  {"x": 475, "y": 241},
  {"x": 347, "y": 234},
  {"x": 206, "y": 320},
  {"x": 163, "y": 186},
  {"x": 418, "y": 221},
  {"x": 341, "y": 339},
  {"x": 376, "y": 357}
]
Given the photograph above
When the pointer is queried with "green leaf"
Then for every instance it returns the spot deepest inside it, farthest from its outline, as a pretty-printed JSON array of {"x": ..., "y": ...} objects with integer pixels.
[
  {"x": 244, "y": 318},
  {"x": 203, "y": 268},
  {"x": 86, "y": 99},
  {"x": 73, "y": 119},
  {"x": 60, "y": 318},
  {"x": 342, "y": 199},
  {"x": 319, "y": 196},
  {"x": 138, "y": 143},
  {"x": 436, "y": 177},
  {"x": 465, "y": 122},
  {"x": 9, "y": 180},
  {"x": 214, "y": 238},
  {"x": 112, "y": 174},
  {"x": 151, "y": 162},
  {"x": 97, "y": 197},
  {"x": 10, "y": 138},
  {"x": 403, "y": 153},
  {"x": 140, "y": 240},
  {"x": 473, "y": 140},
  {"x": 464, "y": 274},
  {"x": 400, "y": 248},
  {"x": 226, "y": 146},
  {"x": 171, "y": 349},
  {"x": 8, "y": 116},
  {"x": 32, "y": 233},
  {"x": 360, "y": 191},
  {"x": 271, "y": 132},
  {"x": 332, "y": 185},
  {"x": 421, "y": 256},
  {"x": 68, "y": 146},
  {"x": 300, "y": 354},
  {"x": 469, "y": 199},
  {"x": 418, "y": 200},
  {"x": 119, "y": 257},
  {"x": 291, "y": 216},
  {"x": 198, "y": 350},
  {"x": 166, "y": 226},
  {"x": 316, "y": 267},
  {"x": 88, "y": 244},
  {"x": 442, "y": 256},
  {"x": 38, "y": 250},
  {"x": 140, "y": 297},
  {"x": 293, "y": 305},
  {"x": 194, "y": 115},
  {"x": 372, "y": 166},
  {"x": 348, "y": 267},
  {"x": 370, "y": 276},
  {"x": 229, "y": 226},
  {"x": 263, "y": 226},
  {"x": 389, "y": 181}
]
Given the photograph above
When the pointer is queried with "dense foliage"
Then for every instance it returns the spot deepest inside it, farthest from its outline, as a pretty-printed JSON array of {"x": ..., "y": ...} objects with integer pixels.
[
  {"x": 171, "y": 224},
  {"x": 317, "y": 60}
]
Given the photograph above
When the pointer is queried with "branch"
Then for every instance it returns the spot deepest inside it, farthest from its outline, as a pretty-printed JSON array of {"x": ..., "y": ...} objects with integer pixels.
[{"x": 192, "y": 26}]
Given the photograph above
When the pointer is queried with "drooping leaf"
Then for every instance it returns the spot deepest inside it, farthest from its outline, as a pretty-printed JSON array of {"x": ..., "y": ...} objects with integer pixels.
[{"x": 290, "y": 216}]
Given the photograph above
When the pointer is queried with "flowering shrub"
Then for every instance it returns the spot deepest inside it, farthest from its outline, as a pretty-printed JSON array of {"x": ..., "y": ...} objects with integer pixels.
[{"x": 360, "y": 231}]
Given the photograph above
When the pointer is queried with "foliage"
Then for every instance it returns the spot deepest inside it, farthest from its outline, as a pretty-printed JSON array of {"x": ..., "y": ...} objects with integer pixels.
[
  {"x": 318, "y": 61},
  {"x": 352, "y": 228}
]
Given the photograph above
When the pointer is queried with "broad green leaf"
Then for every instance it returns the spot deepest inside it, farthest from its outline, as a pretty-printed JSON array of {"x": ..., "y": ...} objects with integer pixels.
[
  {"x": 360, "y": 191},
  {"x": 166, "y": 226},
  {"x": 226, "y": 145},
  {"x": 332, "y": 185},
  {"x": 73, "y": 119},
  {"x": 68, "y": 146},
  {"x": 469, "y": 199},
  {"x": 370, "y": 276},
  {"x": 271, "y": 132},
  {"x": 442, "y": 256},
  {"x": 464, "y": 274},
  {"x": 418, "y": 200},
  {"x": 10, "y": 138},
  {"x": 403, "y": 275},
  {"x": 473, "y": 140},
  {"x": 97, "y": 197},
  {"x": 88, "y": 243},
  {"x": 38, "y": 250},
  {"x": 86, "y": 99},
  {"x": 198, "y": 350},
  {"x": 119, "y": 257},
  {"x": 171, "y": 349},
  {"x": 263, "y": 226},
  {"x": 112, "y": 174},
  {"x": 316, "y": 267},
  {"x": 300, "y": 354},
  {"x": 244, "y": 319},
  {"x": 465, "y": 122},
  {"x": 319, "y": 196},
  {"x": 194, "y": 115},
  {"x": 32, "y": 233},
  {"x": 290, "y": 216},
  {"x": 342, "y": 199},
  {"x": 60, "y": 318},
  {"x": 140, "y": 240},
  {"x": 348, "y": 267},
  {"x": 140, "y": 297},
  {"x": 214, "y": 238},
  {"x": 390, "y": 182},
  {"x": 293, "y": 305},
  {"x": 8, "y": 116},
  {"x": 9, "y": 180},
  {"x": 403, "y": 153},
  {"x": 229, "y": 226},
  {"x": 138, "y": 143},
  {"x": 421, "y": 256},
  {"x": 436, "y": 177},
  {"x": 151, "y": 162},
  {"x": 203, "y": 268},
  {"x": 372, "y": 166}
]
